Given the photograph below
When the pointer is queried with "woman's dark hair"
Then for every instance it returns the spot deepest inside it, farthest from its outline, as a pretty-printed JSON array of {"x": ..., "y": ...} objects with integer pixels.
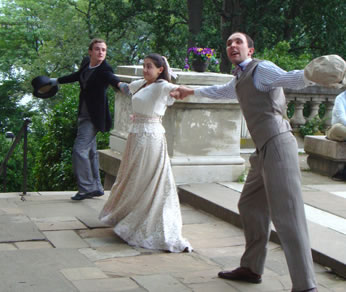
[{"x": 159, "y": 61}]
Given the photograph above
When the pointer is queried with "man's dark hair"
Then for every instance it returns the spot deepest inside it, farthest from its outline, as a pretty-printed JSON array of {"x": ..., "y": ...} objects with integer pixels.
[{"x": 95, "y": 41}]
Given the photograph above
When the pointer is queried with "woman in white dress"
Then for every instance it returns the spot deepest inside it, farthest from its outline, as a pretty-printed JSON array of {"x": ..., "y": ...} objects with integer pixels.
[{"x": 143, "y": 205}]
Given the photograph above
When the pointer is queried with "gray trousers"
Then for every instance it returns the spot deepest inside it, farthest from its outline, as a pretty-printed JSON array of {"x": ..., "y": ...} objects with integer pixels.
[
  {"x": 85, "y": 158},
  {"x": 272, "y": 191}
]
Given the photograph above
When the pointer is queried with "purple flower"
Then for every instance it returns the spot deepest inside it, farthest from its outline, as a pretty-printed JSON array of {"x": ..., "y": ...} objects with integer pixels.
[{"x": 203, "y": 54}]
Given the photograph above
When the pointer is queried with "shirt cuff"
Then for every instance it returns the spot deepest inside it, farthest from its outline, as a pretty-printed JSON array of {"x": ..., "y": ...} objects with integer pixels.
[
  {"x": 197, "y": 92},
  {"x": 54, "y": 81}
]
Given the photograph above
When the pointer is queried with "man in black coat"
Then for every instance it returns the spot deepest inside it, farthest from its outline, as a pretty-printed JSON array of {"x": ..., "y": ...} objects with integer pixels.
[{"x": 94, "y": 77}]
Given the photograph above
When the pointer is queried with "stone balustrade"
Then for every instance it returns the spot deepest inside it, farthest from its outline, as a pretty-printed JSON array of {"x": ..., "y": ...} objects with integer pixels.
[{"x": 316, "y": 95}]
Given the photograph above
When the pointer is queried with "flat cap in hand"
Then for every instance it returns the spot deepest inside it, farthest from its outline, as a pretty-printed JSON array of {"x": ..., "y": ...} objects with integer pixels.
[{"x": 328, "y": 70}]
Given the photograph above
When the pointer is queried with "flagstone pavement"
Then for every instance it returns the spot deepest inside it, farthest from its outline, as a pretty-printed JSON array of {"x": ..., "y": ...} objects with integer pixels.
[{"x": 50, "y": 243}]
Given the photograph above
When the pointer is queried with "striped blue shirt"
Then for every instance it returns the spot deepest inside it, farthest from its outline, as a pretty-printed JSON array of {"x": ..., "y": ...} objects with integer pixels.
[{"x": 266, "y": 77}]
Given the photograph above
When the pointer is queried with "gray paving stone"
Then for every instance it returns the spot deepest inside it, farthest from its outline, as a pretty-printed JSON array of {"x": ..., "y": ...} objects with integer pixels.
[
  {"x": 58, "y": 223},
  {"x": 33, "y": 244},
  {"x": 36, "y": 270},
  {"x": 7, "y": 246},
  {"x": 218, "y": 229},
  {"x": 18, "y": 228},
  {"x": 91, "y": 222},
  {"x": 57, "y": 193},
  {"x": 153, "y": 264},
  {"x": 108, "y": 252},
  {"x": 269, "y": 284},
  {"x": 97, "y": 232},
  {"x": 105, "y": 285},
  {"x": 53, "y": 207},
  {"x": 214, "y": 286},
  {"x": 221, "y": 255},
  {"x": 199, "y": 243},
  {"x": 103, "y": 241},
  {"x": 191, "y": 277},
  {"x": 84, "y": 273},
  {"x": 65, "y": 239},
  {"x": 329, "y": 280},
  {"x": 11, "y": 211},
  {"x": 193, "y": 216},
  {"x": 160, "y": 283}
]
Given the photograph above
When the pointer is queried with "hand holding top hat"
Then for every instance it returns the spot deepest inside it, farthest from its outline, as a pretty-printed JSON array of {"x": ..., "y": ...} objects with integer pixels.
[
  {"x": 44, "y": 87},
  {"x": 327, "y": 71}
]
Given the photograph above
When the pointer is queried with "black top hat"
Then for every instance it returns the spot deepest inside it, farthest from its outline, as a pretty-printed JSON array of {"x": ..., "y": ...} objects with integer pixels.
[{"x": 43, "y": 88}]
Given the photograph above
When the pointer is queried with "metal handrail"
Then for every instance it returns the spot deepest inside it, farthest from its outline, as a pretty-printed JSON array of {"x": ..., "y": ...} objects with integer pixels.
[{"x": 3, "y": 167}]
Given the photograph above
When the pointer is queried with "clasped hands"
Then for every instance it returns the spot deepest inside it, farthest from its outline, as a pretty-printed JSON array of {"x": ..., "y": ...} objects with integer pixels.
[{"x": 181, "y": 92}]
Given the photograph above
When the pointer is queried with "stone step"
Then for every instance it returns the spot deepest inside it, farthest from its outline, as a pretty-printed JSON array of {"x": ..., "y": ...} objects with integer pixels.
[{"x": 328, "y": 246}]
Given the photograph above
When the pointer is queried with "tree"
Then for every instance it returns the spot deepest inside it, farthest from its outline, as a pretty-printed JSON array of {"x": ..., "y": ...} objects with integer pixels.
[{"x": 50, "y": 37}]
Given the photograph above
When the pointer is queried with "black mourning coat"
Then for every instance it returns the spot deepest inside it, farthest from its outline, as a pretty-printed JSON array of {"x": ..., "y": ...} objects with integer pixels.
[{"x": 94, "y": 93}]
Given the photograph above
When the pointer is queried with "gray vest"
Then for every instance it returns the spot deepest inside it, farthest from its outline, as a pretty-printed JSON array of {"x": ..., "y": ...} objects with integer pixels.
[{"x": 263, "y": 111}]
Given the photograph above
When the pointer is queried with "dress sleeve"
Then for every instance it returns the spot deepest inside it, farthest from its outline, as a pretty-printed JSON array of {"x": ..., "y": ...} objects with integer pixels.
[
  {"x": 135, "y": 85},
  {"x": 167, "y": 88}
]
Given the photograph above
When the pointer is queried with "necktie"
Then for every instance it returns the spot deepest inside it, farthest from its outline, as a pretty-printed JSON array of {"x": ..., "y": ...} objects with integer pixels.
[{"x": 237, "y": 71}]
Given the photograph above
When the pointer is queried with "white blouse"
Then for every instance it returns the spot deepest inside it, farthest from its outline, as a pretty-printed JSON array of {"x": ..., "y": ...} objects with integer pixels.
[
  {"x": 150, "y": 101},
  {"x": 153, "y": 99}
]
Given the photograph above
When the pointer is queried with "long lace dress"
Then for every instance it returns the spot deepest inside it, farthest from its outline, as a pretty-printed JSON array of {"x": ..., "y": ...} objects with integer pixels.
[{"x": 143, "y": 205}]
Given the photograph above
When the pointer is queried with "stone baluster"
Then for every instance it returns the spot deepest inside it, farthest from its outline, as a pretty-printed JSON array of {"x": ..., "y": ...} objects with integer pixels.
[
  {"x": 298, "y": 118},
  {"x": 314, "y": 108},
  {"x": 329, "y": 110}
]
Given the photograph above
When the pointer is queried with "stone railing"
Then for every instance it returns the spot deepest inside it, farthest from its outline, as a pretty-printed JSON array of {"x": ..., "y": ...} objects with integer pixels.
[{"x": 315, "y": 95}]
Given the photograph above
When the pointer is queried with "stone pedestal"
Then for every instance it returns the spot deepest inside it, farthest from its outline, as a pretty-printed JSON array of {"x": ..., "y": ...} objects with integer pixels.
[
  {"x": 203, "y": 135},
  {"x": 326, "y": 157}
]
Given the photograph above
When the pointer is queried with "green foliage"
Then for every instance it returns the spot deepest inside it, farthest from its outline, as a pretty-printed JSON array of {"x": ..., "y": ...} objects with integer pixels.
[
  {"x": 280, "y": 55},
  {"x": 15, "y": 167},
  {"x": 53, "y": 168},
  {"x": 316, "y": 126},
  {"x": 243, "y": 176}
]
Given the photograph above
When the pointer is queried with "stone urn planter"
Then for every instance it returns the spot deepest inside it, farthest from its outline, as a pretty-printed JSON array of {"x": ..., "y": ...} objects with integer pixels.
[{"x": 199, "y": 65}]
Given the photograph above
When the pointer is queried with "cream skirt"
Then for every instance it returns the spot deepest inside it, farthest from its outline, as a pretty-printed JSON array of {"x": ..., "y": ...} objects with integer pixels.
[{"x": 143, "y": 205}]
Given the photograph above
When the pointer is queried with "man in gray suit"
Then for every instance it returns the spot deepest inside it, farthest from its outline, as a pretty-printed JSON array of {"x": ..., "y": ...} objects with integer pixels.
[{"x": 272, "y": 190}]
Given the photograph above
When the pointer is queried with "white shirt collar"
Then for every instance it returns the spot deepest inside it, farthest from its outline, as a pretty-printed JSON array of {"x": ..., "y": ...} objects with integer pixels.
[{"x": 245, "y": 63}]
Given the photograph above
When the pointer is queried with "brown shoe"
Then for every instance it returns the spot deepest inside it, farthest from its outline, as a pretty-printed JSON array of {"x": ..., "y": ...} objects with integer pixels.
[{"x": 241, "y": 274}]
